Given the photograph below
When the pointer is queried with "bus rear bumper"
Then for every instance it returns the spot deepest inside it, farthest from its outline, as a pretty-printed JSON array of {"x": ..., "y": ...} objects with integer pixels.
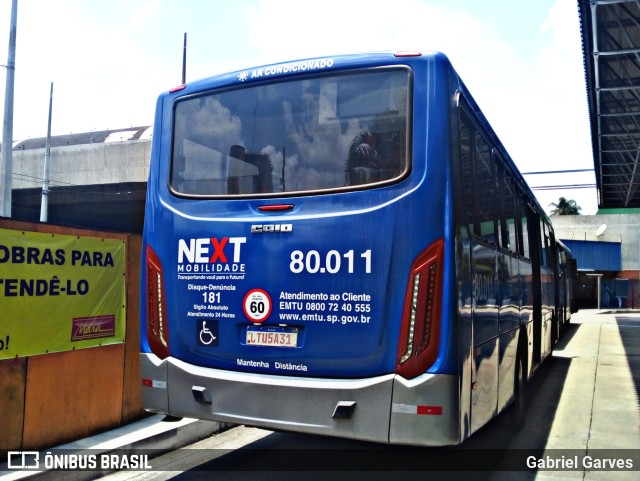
[
  {"x": 380, "y": 409},
  {"x": 356, "y": 409}
]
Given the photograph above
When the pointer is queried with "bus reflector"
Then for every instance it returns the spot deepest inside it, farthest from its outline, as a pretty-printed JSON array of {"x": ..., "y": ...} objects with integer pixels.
[
  {"x": 420, "y": 331},
  {"x": 178, "y": 88},
  {"x": 157, "y": 333},
  {"x": 430, "y": 410},
  {"x": 153, "y": 383},
  {"x": 420, "y": 410}
]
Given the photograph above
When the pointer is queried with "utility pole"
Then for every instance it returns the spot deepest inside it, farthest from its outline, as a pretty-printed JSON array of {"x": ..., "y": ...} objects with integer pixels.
[
  {"x": 6, "y": 161},
  {"x": 184, "y": 59},
  {"x": 44, "y": 204}
]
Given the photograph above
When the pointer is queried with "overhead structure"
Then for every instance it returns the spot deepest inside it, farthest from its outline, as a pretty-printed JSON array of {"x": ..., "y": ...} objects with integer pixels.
[{"x": 611, "y": 49}]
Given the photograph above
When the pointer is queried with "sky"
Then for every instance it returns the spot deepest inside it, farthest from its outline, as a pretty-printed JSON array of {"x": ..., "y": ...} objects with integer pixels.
[{"x": 109, "y": 60}]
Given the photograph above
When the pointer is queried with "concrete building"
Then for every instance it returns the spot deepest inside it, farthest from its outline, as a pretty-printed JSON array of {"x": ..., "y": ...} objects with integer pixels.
[
  {"x": 97, "y": 179},
  {"x": 607, "y": 248}
]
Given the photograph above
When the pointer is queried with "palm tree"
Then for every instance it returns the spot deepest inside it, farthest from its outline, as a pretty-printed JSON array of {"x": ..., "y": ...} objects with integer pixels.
[{"x": 565, "y": 207}]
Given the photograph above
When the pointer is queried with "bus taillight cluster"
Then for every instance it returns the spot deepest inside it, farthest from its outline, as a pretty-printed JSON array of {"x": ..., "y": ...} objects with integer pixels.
[
  {"x": 157, "y": 333},
  {"x": 420, "y": 329}
]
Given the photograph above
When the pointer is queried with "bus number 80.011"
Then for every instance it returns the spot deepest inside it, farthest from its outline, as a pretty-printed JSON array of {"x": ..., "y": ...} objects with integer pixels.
[{"x": 313, "y": 262}]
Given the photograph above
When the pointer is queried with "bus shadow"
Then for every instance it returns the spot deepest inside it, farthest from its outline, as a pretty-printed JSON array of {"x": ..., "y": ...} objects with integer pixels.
[{"x": 497, "y": 446}]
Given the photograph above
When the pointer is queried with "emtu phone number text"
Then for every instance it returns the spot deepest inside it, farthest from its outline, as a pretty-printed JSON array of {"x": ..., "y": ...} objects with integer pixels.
[
  {"x": 333, "y": 262},
  {"x": 340, "y": 312}
]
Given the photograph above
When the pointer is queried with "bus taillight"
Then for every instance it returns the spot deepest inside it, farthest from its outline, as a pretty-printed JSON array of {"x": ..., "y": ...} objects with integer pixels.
[
  {"x": 420, "y": 329},
  {"x": 157, "y": 333}
]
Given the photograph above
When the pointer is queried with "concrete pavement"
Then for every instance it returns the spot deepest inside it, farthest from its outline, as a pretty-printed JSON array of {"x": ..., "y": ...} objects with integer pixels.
[
  {"x": 586, "y": 401},
  {"x": 599, "y": 407}
]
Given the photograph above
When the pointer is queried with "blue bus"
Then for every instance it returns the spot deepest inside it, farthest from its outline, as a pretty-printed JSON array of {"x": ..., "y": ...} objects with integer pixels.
[{"x": 342, "y": 246}]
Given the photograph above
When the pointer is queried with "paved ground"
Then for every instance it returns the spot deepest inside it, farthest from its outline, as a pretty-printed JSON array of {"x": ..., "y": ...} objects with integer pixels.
[{"x": 587, "y": 400}]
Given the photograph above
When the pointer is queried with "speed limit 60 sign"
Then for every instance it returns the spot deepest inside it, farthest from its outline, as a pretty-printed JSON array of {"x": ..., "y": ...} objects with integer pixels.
[{"x": 257, "y": 305}]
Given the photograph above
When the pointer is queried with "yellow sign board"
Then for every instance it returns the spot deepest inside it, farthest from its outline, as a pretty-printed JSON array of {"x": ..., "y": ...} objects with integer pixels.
[{"x": 60, "y": 292}]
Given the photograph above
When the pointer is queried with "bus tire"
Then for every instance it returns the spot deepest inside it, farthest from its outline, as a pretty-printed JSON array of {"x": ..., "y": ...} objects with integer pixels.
[{"x": 519, "y": 408}]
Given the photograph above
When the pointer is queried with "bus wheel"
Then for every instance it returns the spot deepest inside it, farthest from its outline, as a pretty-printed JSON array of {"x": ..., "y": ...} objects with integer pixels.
[{"x": 519, "y": 407}]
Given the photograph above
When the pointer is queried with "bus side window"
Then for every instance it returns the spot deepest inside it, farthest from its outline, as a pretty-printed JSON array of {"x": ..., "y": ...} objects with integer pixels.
[
  {"x": 544, "y": 243},
  {"x": 562, "y": 260},
  {"x": 486, "y": 191},
  {"x": 478, "y": 180},
  {"x": 507, "y": 206},
  {"x": 524, "y": 230},
  {"x": 466, "y": 167}
]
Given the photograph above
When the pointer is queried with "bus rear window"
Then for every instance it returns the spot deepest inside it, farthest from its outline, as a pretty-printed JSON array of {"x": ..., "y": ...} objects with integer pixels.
[{"x": 319, "y": 133}]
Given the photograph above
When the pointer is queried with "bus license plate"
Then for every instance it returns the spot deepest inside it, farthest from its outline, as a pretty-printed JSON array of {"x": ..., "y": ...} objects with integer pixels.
[{"x": 272, "y": 336}]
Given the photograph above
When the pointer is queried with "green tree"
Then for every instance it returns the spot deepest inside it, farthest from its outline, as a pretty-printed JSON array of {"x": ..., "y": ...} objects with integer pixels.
[{"x": 565, "y": 207}]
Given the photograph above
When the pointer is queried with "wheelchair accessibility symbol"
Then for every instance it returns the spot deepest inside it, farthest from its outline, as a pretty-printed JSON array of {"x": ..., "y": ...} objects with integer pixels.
[{"x": 208, "y": 333}]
